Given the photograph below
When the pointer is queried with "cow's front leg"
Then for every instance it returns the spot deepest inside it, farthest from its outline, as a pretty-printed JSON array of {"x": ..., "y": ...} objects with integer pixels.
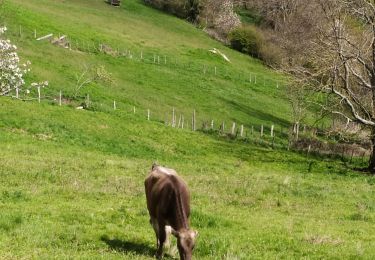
[{"x": 162, "y": 237}]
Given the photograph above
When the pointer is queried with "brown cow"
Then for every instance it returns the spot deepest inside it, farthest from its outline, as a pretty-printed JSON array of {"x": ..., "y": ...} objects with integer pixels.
[{"x": 168, "y": 202}]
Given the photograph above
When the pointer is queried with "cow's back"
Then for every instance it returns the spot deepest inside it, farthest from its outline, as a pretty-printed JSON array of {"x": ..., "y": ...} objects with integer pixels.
[{"x": 164, "y": 190}]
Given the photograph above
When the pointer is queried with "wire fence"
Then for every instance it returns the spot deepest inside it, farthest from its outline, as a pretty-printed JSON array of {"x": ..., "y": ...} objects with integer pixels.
[{"x": 287, "y": 138}]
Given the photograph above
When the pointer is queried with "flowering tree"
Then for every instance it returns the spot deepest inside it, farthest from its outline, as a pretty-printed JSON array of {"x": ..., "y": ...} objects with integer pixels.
[{"x": 11, "y": 73}]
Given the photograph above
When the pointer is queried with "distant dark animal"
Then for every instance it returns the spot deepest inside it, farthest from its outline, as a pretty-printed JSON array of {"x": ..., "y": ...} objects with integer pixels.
[{"x": 168, "y": 202}]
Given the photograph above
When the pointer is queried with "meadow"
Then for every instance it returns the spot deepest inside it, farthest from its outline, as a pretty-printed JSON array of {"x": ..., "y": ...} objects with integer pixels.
[{"x": 72, "y": 180}]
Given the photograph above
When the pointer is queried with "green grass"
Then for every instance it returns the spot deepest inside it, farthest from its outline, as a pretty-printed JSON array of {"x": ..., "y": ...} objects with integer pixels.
[{"x": 72, "y": 180}]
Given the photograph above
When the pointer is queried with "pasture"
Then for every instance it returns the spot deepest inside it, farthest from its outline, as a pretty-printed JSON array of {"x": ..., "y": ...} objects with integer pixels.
[{"x": 72, "y": 180}]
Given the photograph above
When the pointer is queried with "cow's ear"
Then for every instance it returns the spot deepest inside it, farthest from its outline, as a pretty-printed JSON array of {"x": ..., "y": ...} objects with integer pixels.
[{"x": 175, "y": 233}]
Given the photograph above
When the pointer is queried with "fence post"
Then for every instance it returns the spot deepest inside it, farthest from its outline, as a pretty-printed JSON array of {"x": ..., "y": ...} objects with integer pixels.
[
  {"x": 60, "y": 98},
  {"x": 114, "y": 105},
  {"x": 179, "y": 121},
  {"x": 241, "y": 132},
  {"x": 212, "y": 124},
  {"x": 17, "y": 92},
  {"x": 88, "y": 100},
  {"x": 173, "y": 118},
  {"x": 34, "y": 33},
  {"x": 261, "y": 131},
  {"x": 134, "y": 110},
  {"x": 39, "y": 94},
  {"x": 148, "y": 114},
  {"x": 272, "y": 127},
  {"x": 215, "y": 71},
  {"x": 308, "y": 150},
  {"x": 297, "y": 131},
  {"x": 182, "y": 123},
  {"x": 233, "y": 128},
  {"x": 193, "y": 121},
  {"x": 20, "y": 31}
]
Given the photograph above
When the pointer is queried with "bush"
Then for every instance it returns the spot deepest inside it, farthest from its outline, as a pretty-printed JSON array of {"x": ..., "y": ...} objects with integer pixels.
[
  {"x": 180, "y": 8},
  {"x": 247, "y": 39}
]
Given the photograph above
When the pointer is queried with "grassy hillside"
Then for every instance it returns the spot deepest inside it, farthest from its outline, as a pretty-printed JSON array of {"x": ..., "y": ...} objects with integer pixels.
[
  {"x": 72, "y": 180},
  {"x": 136, "y": 28}
]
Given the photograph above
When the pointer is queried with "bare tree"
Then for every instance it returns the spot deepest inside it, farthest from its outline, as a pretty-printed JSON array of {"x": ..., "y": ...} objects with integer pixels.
[
  {"x": 342, "y": 62},
  {"x": 91, "y": 74}
]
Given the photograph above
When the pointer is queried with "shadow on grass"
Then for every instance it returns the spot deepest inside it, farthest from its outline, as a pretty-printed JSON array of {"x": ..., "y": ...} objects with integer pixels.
[
  {"x": 129, "y": 246},
  {"x": 263, "y": 116}
]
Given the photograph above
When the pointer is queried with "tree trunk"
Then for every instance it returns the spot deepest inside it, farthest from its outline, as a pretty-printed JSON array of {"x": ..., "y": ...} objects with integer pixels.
[{"x": 372, "y": 157}]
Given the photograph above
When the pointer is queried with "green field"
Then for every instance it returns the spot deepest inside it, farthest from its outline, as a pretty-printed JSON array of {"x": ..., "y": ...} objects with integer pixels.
[{"x": 72, "y": 180}]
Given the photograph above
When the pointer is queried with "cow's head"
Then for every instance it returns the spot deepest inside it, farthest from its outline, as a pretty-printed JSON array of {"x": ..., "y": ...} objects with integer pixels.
[{"x": 185, "y": 242}]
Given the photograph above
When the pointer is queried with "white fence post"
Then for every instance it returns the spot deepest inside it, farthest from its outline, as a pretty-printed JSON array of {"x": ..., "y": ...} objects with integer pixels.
[
  {"x": 233, "y": 128},
  {"x": 39, "y": 94}
]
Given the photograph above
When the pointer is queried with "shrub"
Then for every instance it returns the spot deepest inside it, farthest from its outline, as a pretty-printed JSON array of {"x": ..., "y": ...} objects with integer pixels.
[{"x": 247, "y": 39}]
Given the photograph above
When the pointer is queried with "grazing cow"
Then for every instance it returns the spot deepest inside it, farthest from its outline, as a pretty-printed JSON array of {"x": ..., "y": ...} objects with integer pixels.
[{"x": 168, "y": 202}]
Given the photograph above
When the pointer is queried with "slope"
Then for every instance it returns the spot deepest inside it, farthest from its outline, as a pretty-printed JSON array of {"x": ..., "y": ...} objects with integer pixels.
[{"x": 72, "y": 180}]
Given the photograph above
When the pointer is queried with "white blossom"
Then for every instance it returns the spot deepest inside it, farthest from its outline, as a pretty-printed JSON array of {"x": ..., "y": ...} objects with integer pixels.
[{"x": 11, "y": 74}]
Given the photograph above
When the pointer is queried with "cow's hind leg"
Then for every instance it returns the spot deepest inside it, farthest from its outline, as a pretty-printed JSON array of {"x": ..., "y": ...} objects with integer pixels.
[
  {"x": 162, "y": 236},
  {"x": 155, "y": 225}
]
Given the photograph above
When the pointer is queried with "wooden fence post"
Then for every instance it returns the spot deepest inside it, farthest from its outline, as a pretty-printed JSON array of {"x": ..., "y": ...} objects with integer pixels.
[
  {"x": 193, "y": 121},
  {"x": 179, "y": 121},
  {"x": 39, "y": 94},
  {"x": 182, "y": 123},
  {"x": 233, "y": 128},
  {"x": 272, "y": 127},
  {"x": 114, "y": 105},
  {"x": 148, "y": 114},
  {"x": 212, "y": 124},
  {"x": 88, "y": 100},
  {"x": 60, "y": 98},
  {"x": 134, "y": 110},
  {"x": 17, "y": 92},
  {"x": 241, "y": 132},
  {"x": 261, "y": 131},
  {"x": 173, "y": 118},
  {"x": 34, "y": 33},
  {"x": 297, "y": 131}
]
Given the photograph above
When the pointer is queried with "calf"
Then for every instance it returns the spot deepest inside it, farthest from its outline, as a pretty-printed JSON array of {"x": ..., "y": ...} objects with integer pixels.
[{"x": 168, "y": 203}]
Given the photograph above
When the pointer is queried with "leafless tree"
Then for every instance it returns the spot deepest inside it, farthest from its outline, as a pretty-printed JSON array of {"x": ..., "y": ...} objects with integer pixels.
[
  {"x": 91, "y": 74},
  {"x": 342, "y": 62}
]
